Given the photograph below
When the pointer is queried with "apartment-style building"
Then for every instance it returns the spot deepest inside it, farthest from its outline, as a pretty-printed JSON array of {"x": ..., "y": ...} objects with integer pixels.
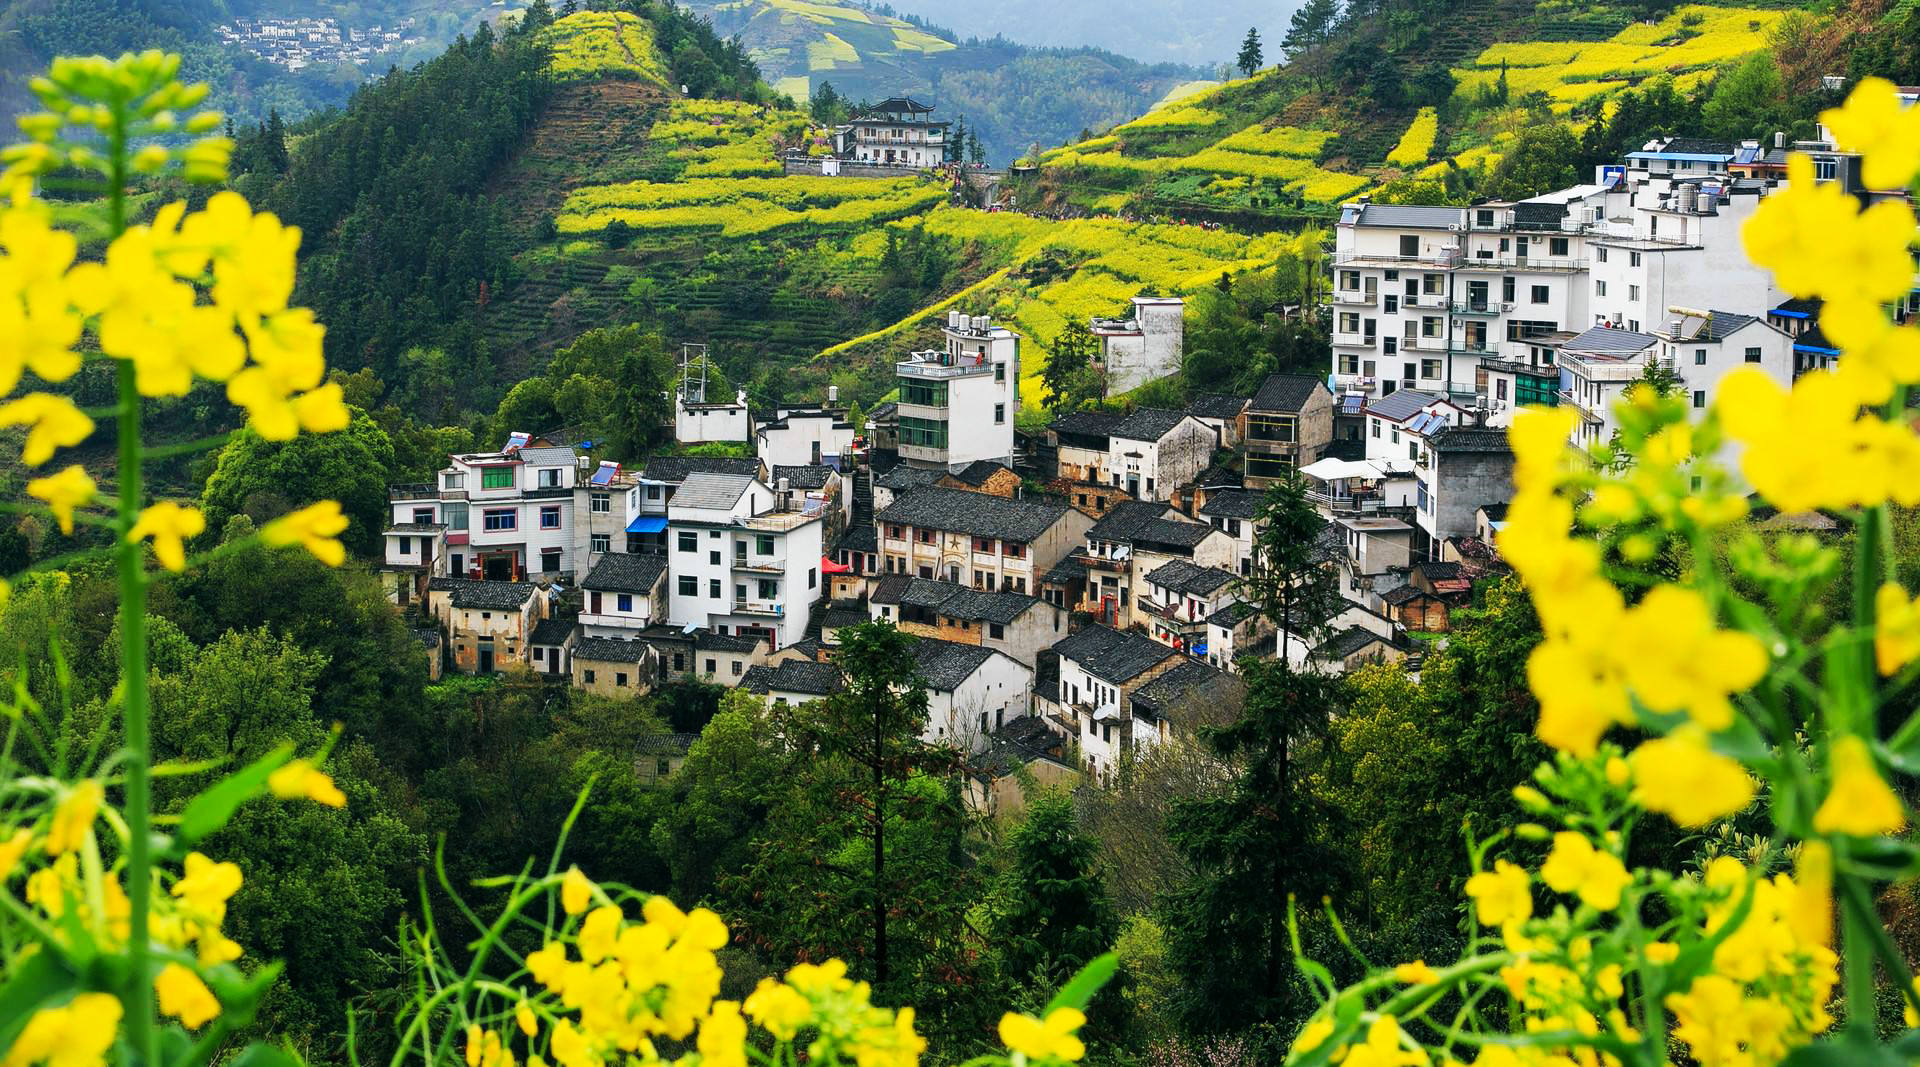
[
  {"x": 508, "y": 514},
  {"x": 958, "y": 402},
  {"x": 738, "y": 564},
  {"x": 1289, "y": 425},
  {"x": 975, "y": 539}
]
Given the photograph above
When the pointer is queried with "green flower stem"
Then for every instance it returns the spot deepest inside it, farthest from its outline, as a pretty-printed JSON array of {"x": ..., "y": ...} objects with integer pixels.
[{"x": 201, "y": 444}]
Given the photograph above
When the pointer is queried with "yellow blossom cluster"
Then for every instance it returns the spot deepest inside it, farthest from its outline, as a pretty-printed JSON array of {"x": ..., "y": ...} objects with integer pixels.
[{"x": 614, "y": 986}]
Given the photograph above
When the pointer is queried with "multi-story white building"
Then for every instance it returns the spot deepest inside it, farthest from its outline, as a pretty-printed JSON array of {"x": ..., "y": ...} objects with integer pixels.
[
  {"x": 738, "y": 565},
  {"x": 807, "y": 435},
  {"x": 508, "y": 514},
  {"x": 898, "y": 131},
  {"x": 1145, "y": 346},
  {"x": 958, "y": 402},
  {"x": 697, "y": 422}
]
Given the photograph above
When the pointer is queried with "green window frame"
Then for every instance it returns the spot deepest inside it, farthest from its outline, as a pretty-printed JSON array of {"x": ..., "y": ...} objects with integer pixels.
[{"x": 496, "y": 478}]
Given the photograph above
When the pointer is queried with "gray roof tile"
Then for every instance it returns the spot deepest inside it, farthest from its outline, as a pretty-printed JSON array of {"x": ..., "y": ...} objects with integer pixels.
[
  {"x": 1148, "y": 424},
  {"x": 977, "y": 514},
  {"x": 675, "y": 469},
  {"x": 1285, "y": 392},
  {"x": 807, "y": 476},
  {"x": 1189, "y": 681},
  {"x": 945, "y": 665},
  {"x": 718, "y": 492},
  {"x": 1216, "y": 405},
  {"x": 499, "y": 596},
  {"x": 1182, "y": 576},
  {"x": 1232, "y": 504},
  {"x": 1607, "y": 341},
  {"x": 1112, "y": 655},
  {"x": 1127, "y": 517},
  {"x": 1401, "y": 403},
  {"x": 611, "y": 650},
  {"x": 1409, "y": 216},
  {"x": 626, "y": 572},
  {"x": 953, "y": 600}
]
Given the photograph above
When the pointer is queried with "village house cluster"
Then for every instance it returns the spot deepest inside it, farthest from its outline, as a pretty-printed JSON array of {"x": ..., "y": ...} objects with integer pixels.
[
  {"x": 298, "y": 43},
  {"x": 1082, "y": 592}
]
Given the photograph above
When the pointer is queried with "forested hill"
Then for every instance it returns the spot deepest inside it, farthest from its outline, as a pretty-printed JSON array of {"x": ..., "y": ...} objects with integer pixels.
[
  {"x": 1012, "y": 95},
  {"x": 1442, "y": 98}
]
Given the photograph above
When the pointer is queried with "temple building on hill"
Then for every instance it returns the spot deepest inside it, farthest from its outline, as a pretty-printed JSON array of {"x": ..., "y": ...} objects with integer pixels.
[{"x": 898, "y": 131}]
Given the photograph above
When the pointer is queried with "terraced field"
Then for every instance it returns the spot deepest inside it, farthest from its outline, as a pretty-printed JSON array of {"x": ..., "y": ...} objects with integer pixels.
[{"x": 592, "y": 44}]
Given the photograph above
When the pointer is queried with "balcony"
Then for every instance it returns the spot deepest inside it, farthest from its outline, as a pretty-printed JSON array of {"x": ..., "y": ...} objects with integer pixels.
[
  {"x": 1423, "y": 344},
  {"x": 772, "y": 609},
  {"x": 413, "y": 491},
  {"x": 759, "y": 564},
  {"x": 1353, "y": 341},
  {"x": 1352, "y": 296},
  {"x": 1470, "y": 348},
  {"x": 1522, "y": 263},
  {"x": 1510, "y": 366},
  {"x": 1362, "y": 383},
  {"x": 939, "y": 366},
  {"x": 1441, "y": 260},
  {"x": 1483, "y": 307},
  {"x": 1434, "y": 301}
]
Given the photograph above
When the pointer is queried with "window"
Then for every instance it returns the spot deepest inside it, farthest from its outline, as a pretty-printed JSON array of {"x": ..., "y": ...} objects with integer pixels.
[
  {"x": 406, "y": 546},
  {"x": 1507, "y": 288},
  {"x": 1539, "y": 294},
  {"x": 1556, "y": 246},
  {"x": 496, "y": 478},
  {"x": 713, "y": 666},
  {"x": 600, "y": 503},
  {"x": 1429, "y": 368},
  {"x": 735, "y": 665},
  {"x": 689, "y": 541},
  {"x": 499, "y": 520},
  {"x": 679, "y": 662},
  {"x": 1013, "y": 550},
  {"x": 587, "y": 676},
  {"x": 455, "y": 512},
  {"x": 1699, "y": 398},
  {"x": 624, "y": 601},
  {"x": 999, "y": 414},
  {"x": 550, "y": 478},
  {"x": 601, "y": 542},
  {"x": 1499, "y": 388},
  {"x": 454, "y": 481},
  {"x": 812, "y": 577},
  {"x": 1349, "y": 279},
  {"x": 1349, "y": 322},
  {"x": 983, "y": 544},
  {"x": 550, "y": 517},
  {"x": 713, "y": 588},
  {"x": 1376, "y": 427},
  {"x": 1699, "y": 357},
  {"x": 713, "y": 559},
  {"x": 423, "y": 515},
  {"x": 620, "y": 678},
  {"x": 1633, "y": 258},
  {"x": 1409, "y": 246},
  {"x": 549, "y": 560},
  {"x": 996, "y": 631},
  {"x": 653, "y": 492},
  {"x": 1753, "y": 355},
  {"x": 1599, "y": 288},
  {"x": 1633, "y": 292},
  {"x": 999, "y": 372},
  {"x": 1600, "y": 254},
  {"x": 1349, "y": 364},
  {"x": 894, "y": 532},
  {"x": 1633, "y": 325},
  {"x": 1825, "y": 170}
]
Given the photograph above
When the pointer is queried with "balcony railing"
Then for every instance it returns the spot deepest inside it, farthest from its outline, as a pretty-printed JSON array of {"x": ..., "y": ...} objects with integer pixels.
[
  {"x": 1522, "y": 263},
  {"x": 759, "y": 564},
  {"x": 1483, "y": 307},
  {"x": 1353, "y": 341},
  {"x": 771, "y": 608},
  {"x": 1361, "y": 382},
  {"x": 1438, "y": 259},
  {"x": 1425, "y": 300},
  {"x": 413, "y": 491},
  {"x": 939, "y": 366},
  {"x": 1424, "y": 344},
  {"x": 1350, "y": 296},
  {"x": 1470, "y": 348}
]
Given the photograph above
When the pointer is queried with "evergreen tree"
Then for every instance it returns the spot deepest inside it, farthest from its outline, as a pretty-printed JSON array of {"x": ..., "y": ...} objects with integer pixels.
[
  {"x": 1249, "y": 59},
  {"x": 826, "y": 105},
  {"x": 1056, "y": 916},
  {"x": 1292, "y": 580},
  {"x": 956, "y": 142},
  {"x": 1311, "y": 26},
  {"x": 1069, "y": 377},
  {"x": 976, "y": 152},
  {"x": 274, "y": 143}
]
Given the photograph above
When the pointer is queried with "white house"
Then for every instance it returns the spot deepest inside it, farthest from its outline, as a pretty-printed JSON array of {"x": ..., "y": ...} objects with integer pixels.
[
  {"x": 1596, "y": 367},
  {"x": 1153, "y": 453},
  {"x": 1399, "y": 424},
  {"x": 898, "y": 131},
  {"x": 806, "y": 436},
  {"x": 971, "y": 691},
  {"x": 958, "y": 402},
  {"x": 624, "y": 594},
  {"x": 508, "y": 514},
  {"x": 739, "y": 565},
  {"x": 1099, "y": 670},
  {"x": 1143, "y": 347},
  {"x": 696, "y": 422},
  {"x": 1705, "y": 346}
]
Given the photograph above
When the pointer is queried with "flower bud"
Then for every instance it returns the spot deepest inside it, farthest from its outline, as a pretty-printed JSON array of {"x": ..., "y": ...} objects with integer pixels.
[
  {"x": 1532, "y": 799},
  {"x": 1531, "y": 831}
]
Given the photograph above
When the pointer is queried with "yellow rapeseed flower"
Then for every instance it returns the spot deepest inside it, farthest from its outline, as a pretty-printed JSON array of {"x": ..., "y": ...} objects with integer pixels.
[
  {"x": 1859, "y": 802},
  {"x": 1896, "y": 629},
  {"x": 52, "y": 422},
  {"x": 1675, "y": 659},
  {"x": 74, "y": 816},
  {"x": 548, "y": 965},
  {"x": 1877, "y": 125},
  {"x": 1501, "y": 895},
  {"x": 523, "y": 1017},
  {"x": 1384, "y": 1047},
  {"x": 576, "y": 891},
  {"x": 1684, "y": 779},
  {"x": 316, "y": 527},
  {"x": 253, "y": 255},
  {"x": 64, "y": 493},
  {"x": 11, "y": 850},
  {"x": 184, "y": 996},
  {"x": 723, "y": 1036},
  {"x": 1662, "y": 952},
  {"x": 1877, "y": 354},
  {"x": 1313, "y": 1035},
  {"x": 1575, "y": 866},
  {"x": 75, "y": 1034},
  {"x": 170, "y": 525},
  {"x": 1052, "y": 1038},
  {"x": 778, "y": 1008},
  {"x": 598, "y": 933},
  {"x": 38, "y": 323},
  {"x": 1416, "y": 973},
  {"x": 205, "y": 886},
  {"x": 1817, "y": 241},
  {"x": 299, "y": 780}
]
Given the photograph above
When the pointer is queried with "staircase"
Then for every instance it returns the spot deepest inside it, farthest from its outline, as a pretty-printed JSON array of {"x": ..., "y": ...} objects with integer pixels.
[{"x": 863, "y": 497}]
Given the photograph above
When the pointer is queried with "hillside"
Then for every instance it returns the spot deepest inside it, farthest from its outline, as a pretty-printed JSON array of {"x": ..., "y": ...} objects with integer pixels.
[
  {"x": 1012, "y": 94},
  {"x": 1205, "y": 33},
  {"x": 1371, "y": 105}
]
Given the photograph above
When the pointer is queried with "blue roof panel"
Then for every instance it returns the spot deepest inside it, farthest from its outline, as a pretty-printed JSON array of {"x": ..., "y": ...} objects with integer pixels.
[{"x": 647, "y": 524}]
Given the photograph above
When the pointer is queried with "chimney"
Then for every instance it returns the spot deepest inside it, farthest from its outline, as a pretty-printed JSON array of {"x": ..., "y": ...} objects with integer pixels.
[{"x": 833, "y": 393}]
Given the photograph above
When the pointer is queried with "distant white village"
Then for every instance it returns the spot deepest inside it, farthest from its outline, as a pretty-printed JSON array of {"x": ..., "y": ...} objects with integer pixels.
[
  {"x": 1079, "y": 590},
  {"x": 298, "y": 43}
]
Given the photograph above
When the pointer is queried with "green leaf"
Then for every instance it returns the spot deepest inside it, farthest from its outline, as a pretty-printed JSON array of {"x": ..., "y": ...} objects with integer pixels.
[
  {"x": 1853, "y": 1047},
  {"x": 215, "y": 805},
  {"x": 265, "y": 1056},
  {"x": 1080, "y": 992},
  {"x": 38, "y": 978}
]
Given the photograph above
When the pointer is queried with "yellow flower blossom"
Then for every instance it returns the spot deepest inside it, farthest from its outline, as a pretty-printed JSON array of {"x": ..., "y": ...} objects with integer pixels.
[
  {"x": 299, "y": 780},
  {"x": 75, "y": 1034},
  {"x": 1575, "y": 866},
  {"x": 1859, "y": 802},
  {"x": 38, "y": 323},
  {"x": 1662, "y": 952},
  {"x": 1896, "y": 634},
  {"x": 723, "y": 1037},
  {"x": 184, "y": 996},
  {"x": 1682, "y": 778},
  {"x": 170, "y": 525},
  {"x": 253, "y": 255},
  {"x": 316, "y": 527},
  {"x": 1809, "y": 911},
  {"x": 1832, "y": 457},
  {"x": 548, "y": 965},
  {"x": 153, "y": 320},
  {"x": 1416, "y": 973},
  {"x": 598, "y": 933},
  {"x": 52, "y": 421},
  {"x": 576, "y": 891},
  {"x": 1502, "y": 894},
  {"x": 524, "y": 1018},
  {"x": 1312, "y": 1036},
  {"x": 1878, "y": 354},
  {"x": 11, "y": 850},
  {"x": 1877, "y": 125},
  {"x": 73, "y": 818},
  {"x": 1817, "y": 241},
  {"x": 1384, "y": 1047},
  {"x": 64, "y": 493},
  {"x": 1051, "y": 1038},
  {"x": 778, "y": 1008},
  {"x": 205, "y": 886},
  {"x": 287, "y": 365},
  {"x": 1675, "y": 659}
]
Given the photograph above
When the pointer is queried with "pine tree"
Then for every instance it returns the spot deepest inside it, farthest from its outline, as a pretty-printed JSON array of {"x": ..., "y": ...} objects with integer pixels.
[
  {"x": 976, "y": 152},
  {"x": 1250, "y": 54},
  {"x": 1056, "y": 916},
  {"x": 956, "y": 140},
  {"x": 274, "y": 145},
  {"x": 1311, "y": 26},
  {"x": 1291, "y": 580}
]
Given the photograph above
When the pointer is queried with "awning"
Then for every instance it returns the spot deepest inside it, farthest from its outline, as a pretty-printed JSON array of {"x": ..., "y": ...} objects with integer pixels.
[
  {"x": 647, "y": 524},
  {"x": 1330, "y": 469},
  {"x": 828, "y": 566}
]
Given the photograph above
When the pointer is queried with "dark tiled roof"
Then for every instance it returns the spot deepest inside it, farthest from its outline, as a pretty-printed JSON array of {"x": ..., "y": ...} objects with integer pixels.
[
  {"x": 1148, "y": 424},
  {"x": 611, "y": 650},
  {"x": 1216, "y": 406},
  {"x": 1174, "y": 533},
  {"x": 1087, "y": 423},
  {"x": 1232, "y": 504},
  {"x": 1400, "y": 594},
  {"x": 705, "y": 490},
  {"x": 1125, "y": 520},
  {"x": 626, "y": 572},
  {"x": 861, "y": 538},
  {"x": 468, "y": 593},
  {"x": 1232, "y": 615},
  {"x": 552, "y": 631},
  {"x": 1799, "y": 307},
  {"x": 1721, "y": 324},
  {"x": 978, "y": 472},
  {"x": 1184, "y": 577},
  {"x": 807, "y": 476},
  {"x": 1438, "y": 571},
  {"x": 1495, "y": 512},
  {"x": 676, "y": 468},
  {"x": 664, "y": 744},
  {"x": 946, "y": 664},
  {"x": 905, "y": 477},
  {"x": 1071, "y": 568},
  {"x": 1469, "y": 439},
  {"x": 810, "y": 647},
  {"x": 1348, "y": 641},
  {"x": 1410, "y": 216},
  {"x": 1606, "y": 341},
  {"x": 1401, "y": 403},
  {"x": 551, "y": 456},
  {"x": 848, "y": 613},
  {"x": 707, "y": 641},
  {"x": 1013, "y": 746},
  {"x": 1285, "y": 392},
  {"x": 1112, "y": 655},
  {"x": 1189, "y": 681},
  {"x": 1696, "y": 146},
  {"x": 978, "y": 514},
  {"x": 793, "y": 676},
  {"x": 952, "y": 600}
]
